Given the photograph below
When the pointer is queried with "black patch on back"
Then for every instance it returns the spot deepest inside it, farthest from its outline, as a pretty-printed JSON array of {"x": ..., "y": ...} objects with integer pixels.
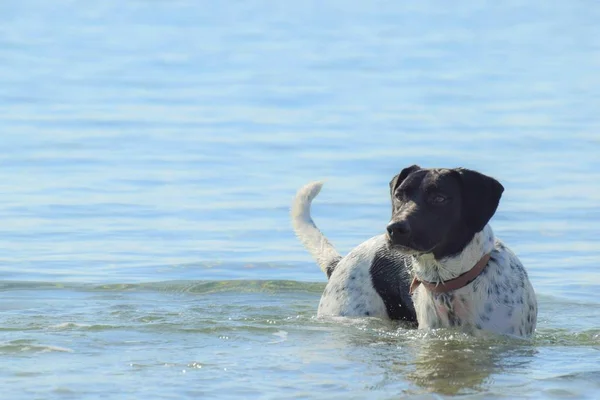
[{"x": 391, "y": 280}]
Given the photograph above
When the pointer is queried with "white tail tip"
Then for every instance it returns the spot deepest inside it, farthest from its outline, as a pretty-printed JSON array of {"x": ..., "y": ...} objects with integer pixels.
[
  {"x": 310, "y": 236},
  {"x": 303, "y": 199}
]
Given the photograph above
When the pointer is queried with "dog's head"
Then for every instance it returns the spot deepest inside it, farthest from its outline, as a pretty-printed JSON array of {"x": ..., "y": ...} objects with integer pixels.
[{"x": 440, "y": 210}]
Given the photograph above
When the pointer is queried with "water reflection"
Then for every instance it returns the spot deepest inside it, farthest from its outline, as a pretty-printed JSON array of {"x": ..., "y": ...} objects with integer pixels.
[
  {"x": 460, "y": 364},
  {"x": 442, "y": 361}
]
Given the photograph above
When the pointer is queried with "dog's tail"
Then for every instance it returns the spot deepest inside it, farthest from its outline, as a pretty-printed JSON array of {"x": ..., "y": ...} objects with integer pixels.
[{"x": 311, "y": 237}]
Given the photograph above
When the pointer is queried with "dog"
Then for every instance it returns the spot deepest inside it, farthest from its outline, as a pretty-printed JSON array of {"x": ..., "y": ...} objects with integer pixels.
[{"x": 438, "y": 264}]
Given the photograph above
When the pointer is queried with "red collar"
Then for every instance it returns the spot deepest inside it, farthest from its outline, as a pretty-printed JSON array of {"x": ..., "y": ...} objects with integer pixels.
[{"x": 453, "y": 284}]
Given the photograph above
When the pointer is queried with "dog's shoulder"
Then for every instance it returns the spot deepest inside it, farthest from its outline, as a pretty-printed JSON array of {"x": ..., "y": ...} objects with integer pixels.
[{"x": 376, "y": 258}]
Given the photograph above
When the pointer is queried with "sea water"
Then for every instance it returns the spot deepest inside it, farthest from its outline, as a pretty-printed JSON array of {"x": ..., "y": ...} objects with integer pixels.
[{"x": 150, "y": 150}]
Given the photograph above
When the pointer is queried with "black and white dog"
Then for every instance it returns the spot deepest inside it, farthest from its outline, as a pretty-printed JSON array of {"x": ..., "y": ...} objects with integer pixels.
[{"x": 439, "y": 263}]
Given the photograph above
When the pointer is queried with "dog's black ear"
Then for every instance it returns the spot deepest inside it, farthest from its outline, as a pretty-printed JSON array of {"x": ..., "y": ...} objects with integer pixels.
[
  {"x": 480, "y": 197},
  {"x": 398, "y": 179}
]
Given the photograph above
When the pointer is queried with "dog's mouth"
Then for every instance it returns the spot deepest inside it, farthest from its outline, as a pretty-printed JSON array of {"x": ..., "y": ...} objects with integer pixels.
[{"x": 409, "y": 248}]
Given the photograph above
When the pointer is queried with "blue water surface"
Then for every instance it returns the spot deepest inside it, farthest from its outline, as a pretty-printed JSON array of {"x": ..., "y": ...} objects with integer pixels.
[{"x": 150, "y": 150}]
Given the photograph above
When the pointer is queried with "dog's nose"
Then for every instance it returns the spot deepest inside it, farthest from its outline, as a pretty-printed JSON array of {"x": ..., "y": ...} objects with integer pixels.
[{"x": 398, "y": 228}]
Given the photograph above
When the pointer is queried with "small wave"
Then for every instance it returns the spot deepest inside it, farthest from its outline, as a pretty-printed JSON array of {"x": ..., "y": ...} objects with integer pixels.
[
  {"x": 29, "y": 346},
  {"x": 281, "y": 335},
  {"x": 68, "y": 326},
  {"x": 187, "y": 286},
  {"x": 564, "y": 337}
]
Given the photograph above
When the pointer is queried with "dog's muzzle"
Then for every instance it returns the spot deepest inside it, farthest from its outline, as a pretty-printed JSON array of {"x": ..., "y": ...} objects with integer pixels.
[{"x": 400, "y": 236}]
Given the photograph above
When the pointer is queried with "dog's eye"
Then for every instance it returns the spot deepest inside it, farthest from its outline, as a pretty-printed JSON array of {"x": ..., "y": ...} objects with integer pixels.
[{"x": 438, "y": 198}]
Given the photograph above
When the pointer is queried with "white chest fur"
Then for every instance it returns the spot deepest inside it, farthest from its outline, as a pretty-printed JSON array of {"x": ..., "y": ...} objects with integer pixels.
[{"x": 500, "y": 300}]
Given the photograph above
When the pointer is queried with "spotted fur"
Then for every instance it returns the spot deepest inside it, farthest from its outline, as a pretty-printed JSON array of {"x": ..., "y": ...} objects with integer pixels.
[{"x": 500, "y": 300}]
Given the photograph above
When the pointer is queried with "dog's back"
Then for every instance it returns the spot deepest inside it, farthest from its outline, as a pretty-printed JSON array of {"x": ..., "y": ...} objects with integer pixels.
[{"x": 371, "y": 281}]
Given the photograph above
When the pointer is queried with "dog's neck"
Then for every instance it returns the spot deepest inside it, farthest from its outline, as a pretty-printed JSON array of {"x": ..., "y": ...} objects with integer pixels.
[{"x": 427, "y": 268}]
